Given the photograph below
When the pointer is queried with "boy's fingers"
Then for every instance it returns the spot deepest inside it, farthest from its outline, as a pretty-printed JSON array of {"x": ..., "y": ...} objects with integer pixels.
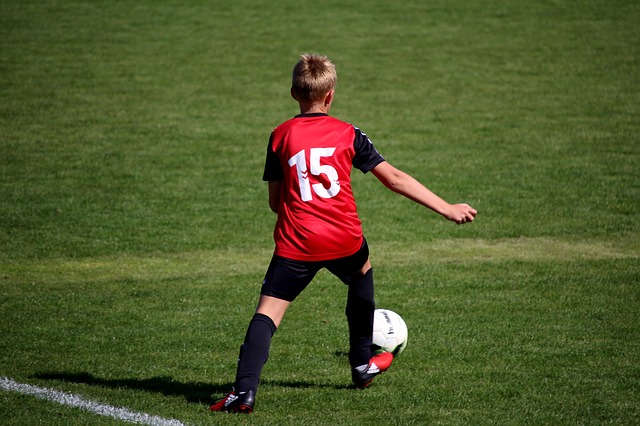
[{"x": 468, "y": 214}]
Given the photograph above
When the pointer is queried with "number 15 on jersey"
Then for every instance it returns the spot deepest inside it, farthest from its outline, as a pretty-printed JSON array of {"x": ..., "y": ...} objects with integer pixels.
[{"x": 300, "y": 162}]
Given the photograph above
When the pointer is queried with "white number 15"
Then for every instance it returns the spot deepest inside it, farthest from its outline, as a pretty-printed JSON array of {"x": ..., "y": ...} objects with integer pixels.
[{"x": 299, "y": 160}]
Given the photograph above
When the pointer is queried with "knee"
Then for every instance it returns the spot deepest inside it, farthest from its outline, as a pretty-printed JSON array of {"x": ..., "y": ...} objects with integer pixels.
[{"x": 366, "y": 268}]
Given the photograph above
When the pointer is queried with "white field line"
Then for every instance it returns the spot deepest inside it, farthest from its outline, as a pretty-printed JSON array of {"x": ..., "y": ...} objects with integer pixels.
[{"x": 92, "y": 406}]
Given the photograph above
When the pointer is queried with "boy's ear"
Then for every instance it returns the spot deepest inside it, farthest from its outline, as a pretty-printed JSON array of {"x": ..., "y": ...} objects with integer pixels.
[
  {"x": 329, "y": 97},
  {"x": 293, "y": 94}
]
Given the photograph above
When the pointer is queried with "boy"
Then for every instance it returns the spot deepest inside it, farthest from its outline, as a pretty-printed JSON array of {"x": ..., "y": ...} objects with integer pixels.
[{"x": 308, "y": 167}]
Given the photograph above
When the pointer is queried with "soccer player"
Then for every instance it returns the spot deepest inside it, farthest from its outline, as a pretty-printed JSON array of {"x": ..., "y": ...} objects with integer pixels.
[{"x": 308, "y": 167}]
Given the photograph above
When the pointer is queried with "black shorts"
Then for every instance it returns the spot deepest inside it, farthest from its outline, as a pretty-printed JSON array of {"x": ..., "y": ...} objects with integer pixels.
[{"x": 287, "y": 278}]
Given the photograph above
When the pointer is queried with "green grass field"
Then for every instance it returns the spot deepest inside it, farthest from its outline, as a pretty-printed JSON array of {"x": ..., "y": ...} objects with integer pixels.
[{"x": 135, "y": 231}]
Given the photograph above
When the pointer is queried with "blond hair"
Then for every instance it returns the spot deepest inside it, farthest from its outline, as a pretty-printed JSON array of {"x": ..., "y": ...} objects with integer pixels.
[{"x": 313, "y": 77}]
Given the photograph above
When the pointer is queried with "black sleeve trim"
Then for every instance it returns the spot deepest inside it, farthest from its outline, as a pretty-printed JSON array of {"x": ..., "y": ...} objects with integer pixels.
[
  {"x": 367, "y": 156},
  {"x": 272, "y": 168}
]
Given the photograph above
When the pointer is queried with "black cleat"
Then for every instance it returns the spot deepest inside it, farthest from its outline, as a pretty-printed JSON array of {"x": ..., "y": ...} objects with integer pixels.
[
  {"x": 377, "y": 364},
  {"x": 235, "y": 402}
]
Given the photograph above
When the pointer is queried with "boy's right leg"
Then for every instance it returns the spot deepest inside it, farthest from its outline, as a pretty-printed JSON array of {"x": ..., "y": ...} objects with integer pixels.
[
  {"x": 356, "y": 272},
  {"x": 359, "y": 312},
  {"x": 360, "y": 308}
]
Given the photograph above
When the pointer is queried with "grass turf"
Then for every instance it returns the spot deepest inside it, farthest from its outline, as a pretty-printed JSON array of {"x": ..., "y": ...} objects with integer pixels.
[{"x": 134, "y": 228}]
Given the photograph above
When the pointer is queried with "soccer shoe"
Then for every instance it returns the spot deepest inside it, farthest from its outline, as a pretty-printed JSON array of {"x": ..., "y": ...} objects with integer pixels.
[
  {"x": 377, "y": 364},
  {"x": 235, "y": 402}
]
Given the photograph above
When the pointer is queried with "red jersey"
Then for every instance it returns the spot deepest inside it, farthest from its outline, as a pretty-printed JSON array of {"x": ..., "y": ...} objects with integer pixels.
[{"x": 312, "y": 155}]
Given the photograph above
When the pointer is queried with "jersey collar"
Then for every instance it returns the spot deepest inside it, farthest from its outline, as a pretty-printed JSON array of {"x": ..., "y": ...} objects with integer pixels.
[{"x": 312, "y": 114}]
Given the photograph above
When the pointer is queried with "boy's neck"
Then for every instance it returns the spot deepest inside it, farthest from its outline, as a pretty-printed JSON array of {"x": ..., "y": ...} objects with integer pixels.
[
  {"x": 313, "y": 109},
  {"x": 321, "y": 106}
]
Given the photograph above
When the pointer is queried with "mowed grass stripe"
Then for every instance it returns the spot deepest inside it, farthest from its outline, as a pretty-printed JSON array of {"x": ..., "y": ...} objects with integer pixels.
[{"x": 231, "y": 262}]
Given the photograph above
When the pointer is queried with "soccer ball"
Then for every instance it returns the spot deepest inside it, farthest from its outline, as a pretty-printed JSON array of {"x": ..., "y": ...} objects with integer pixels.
[{"x": 389, "y": 332}]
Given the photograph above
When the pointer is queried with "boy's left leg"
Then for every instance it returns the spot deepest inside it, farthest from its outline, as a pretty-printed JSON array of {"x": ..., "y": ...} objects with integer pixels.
[
  {"x": 286, "y": 279},
  {"x": 254, "y": 353}
]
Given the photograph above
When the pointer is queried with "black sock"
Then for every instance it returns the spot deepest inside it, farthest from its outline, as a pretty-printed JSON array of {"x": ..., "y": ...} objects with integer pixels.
[
  {"x": 360, "y": 307},
  {"x": 254, "y": 352}
]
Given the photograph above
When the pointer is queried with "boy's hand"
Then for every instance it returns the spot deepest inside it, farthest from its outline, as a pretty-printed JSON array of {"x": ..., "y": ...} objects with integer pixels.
[{"x": 461, "y": 213}]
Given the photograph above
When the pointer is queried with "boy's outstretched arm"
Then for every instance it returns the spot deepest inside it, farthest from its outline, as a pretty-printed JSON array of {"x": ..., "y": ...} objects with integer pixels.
[{"x": 402, "y": 183}]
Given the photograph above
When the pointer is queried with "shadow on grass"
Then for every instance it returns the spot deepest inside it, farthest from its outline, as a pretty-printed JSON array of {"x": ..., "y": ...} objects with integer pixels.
[
  {"x": 196, "y": 392},
  {"x": 304, "y": 384}
]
